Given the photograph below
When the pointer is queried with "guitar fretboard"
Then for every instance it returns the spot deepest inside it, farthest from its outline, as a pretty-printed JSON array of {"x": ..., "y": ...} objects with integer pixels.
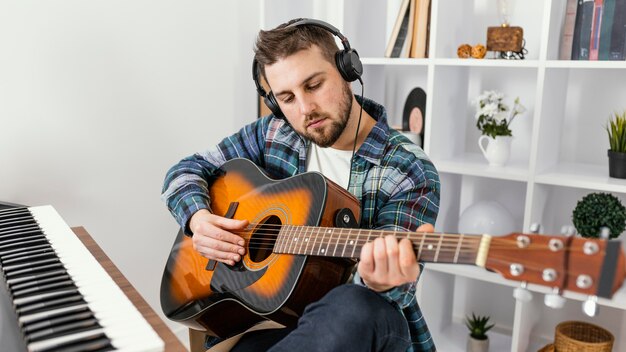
[{"x": 347, "y": 243}]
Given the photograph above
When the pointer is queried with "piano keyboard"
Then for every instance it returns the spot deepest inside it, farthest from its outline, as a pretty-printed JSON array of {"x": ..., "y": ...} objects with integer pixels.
[{"x": 63, "y": 299}]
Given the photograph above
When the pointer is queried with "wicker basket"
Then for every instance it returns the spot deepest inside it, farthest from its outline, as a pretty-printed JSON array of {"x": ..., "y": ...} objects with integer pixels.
[{"x": 575, "y": 336}]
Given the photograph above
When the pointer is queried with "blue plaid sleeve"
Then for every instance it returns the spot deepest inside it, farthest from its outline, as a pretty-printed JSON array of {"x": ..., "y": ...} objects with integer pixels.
[{"x": 186, "y": 185}]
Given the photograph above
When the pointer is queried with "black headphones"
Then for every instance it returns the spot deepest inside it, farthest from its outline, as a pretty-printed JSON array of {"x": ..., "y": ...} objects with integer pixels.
[{"x": 347, "y": 61}]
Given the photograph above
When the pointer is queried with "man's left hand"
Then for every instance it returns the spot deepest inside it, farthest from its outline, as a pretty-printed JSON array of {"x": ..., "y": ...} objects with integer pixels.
[{"x": 386, "y": 262}]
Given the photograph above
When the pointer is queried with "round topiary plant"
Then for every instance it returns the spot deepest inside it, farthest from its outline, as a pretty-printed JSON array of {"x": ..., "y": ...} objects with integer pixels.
[{"x": 597, "y": 210}]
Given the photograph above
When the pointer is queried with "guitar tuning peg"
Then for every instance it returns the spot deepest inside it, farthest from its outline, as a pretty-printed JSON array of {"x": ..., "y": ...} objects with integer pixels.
[
  {"x": 605, "y": 233},
  {"x": 568, "y": 230},
  {"x": 554, "y": 300},
  {"x": 590, "y": 306},
  {"x": 535, "y": 227},
  {"x": 522, "y": 294}
]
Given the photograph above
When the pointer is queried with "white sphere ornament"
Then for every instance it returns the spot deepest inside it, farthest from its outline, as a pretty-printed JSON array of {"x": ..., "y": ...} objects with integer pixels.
[{"x": 486, "y": 217}]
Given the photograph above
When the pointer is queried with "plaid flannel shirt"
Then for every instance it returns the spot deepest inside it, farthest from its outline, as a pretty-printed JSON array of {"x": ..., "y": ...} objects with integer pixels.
[{"x": 397, "y": 185}]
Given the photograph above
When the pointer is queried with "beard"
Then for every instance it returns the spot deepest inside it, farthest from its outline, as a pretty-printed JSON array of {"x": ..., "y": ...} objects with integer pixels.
[{"x": 328, "y": 135}]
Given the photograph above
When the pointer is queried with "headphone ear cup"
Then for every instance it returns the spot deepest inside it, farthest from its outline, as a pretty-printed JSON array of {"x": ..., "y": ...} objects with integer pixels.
[
  {"x": 272, "y": 104},
  {"x": 349, "y": 64}
]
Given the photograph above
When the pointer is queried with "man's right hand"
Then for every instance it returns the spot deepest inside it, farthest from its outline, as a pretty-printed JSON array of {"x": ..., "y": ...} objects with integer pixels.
[{"x": 213, "y": 236}]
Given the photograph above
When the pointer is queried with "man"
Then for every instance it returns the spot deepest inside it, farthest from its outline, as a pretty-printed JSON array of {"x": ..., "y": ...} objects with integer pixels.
[{"x": 327, "y": 129}]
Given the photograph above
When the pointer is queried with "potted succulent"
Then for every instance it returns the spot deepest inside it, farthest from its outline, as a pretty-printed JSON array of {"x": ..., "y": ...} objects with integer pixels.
[
  {"x": 478, "y": 341},
  {"x": 616, "y": 129},
  {"x": 597, "y": 210}
]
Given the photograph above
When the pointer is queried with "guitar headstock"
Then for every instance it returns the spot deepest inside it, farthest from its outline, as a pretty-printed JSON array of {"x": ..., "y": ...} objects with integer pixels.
[{"x": 589, "y": 266}]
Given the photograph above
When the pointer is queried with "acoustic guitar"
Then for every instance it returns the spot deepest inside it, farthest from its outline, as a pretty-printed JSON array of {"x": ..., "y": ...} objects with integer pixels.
[{"x": 302, "y": 240}]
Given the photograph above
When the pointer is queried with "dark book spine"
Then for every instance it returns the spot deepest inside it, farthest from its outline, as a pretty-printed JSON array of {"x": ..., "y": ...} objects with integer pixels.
[
  {"x": 618, "y": 32},
  {"x": 404, "y": 30},
  {"x": 585, "y": 29},
  {"x": 605, "y": 29},
  {"x": 576, "y": 35}
]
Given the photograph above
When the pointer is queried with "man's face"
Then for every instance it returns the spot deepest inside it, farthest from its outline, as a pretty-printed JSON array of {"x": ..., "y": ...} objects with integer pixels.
[{"x": 312, "y": 94}]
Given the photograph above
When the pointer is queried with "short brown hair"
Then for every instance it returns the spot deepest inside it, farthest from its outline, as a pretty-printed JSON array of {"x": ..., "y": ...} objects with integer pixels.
[{"x": 284, "y": 41}]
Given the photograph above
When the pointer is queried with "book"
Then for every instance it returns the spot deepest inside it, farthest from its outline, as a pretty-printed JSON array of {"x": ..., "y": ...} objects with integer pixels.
[
  {"x": 576, "y": 35},
  {"x": 585, "y": 29},
  {"x": 568, "y": 30},
  {"x": 396, "y": 39},
  {"x": 605, "y": 29},
  {"x": 596, "y": 22},
  {"x": 617, "y": 50},
  {"x": 420, "y": 28},
  {"x": 408, "y": 40}
]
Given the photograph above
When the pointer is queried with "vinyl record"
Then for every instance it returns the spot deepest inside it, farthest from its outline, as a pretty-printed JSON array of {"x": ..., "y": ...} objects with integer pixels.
[{"x": 414, "y": 114}]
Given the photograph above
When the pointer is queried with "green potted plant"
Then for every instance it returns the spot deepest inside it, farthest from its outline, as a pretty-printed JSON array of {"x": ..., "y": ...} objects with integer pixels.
[
  {"x": 478, "y": 326},
  {"x": 616, "y": 129},
  {"x": 597, "y": 210}
]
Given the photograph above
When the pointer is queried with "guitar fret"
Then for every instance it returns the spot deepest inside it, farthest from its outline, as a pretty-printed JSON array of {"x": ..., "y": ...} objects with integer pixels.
[
  {"x": 356, "y": 244},
  {"x": 419, "y": 252},
  {"x": 279, "y": 239},
  {"x": 297, "y": 240},
  {"x": 305, "y": 241},
  {"x": 320, "y": 249},
  {"x": 458, "y": 249},
  {"x": 438, "y": 248},
  {"x": 337, "y": 241}
]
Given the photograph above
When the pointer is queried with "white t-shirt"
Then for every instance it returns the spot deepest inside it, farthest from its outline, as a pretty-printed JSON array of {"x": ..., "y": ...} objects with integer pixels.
[{"x": 332, "y": 163}]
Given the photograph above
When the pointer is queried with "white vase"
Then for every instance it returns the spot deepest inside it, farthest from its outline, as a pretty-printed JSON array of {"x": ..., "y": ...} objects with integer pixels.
[
  {"x": 497, "y": 150},
  {"x": 474, "y": 345}
]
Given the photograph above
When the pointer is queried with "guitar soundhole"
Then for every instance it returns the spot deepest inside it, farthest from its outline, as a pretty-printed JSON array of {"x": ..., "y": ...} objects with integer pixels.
[{"x": 263, "y": 239}]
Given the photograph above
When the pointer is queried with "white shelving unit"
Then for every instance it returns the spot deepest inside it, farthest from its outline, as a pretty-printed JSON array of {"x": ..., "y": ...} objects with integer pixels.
[{"x": 558, "y": 153}]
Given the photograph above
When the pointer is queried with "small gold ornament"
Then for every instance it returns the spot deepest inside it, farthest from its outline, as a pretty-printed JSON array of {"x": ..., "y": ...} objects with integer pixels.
[
  {"x": 479, "y": 51},
  {"x": 464, "y": 51}
]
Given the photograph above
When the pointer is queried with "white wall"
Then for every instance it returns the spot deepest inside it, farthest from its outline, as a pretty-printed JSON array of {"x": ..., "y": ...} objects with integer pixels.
[{"x": 99, "y": 98}]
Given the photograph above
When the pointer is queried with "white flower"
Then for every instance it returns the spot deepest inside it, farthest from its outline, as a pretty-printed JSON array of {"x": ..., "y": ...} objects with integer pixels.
[
  {"x": 501, "y": 116},
  {"x": 489, "y": 109},
  {"x": 519, "y": 108}
]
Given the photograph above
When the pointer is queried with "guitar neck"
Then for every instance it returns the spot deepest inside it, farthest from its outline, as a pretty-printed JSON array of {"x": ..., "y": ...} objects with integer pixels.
[{"x": 347, "y": 243}]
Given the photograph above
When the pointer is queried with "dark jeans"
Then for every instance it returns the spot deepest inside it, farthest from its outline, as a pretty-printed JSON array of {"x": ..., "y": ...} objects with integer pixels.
[{"x": 348, "y": 318}]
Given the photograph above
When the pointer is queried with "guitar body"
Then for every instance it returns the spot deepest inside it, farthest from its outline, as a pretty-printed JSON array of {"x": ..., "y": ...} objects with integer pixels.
[{"x": 224, "y": 300}]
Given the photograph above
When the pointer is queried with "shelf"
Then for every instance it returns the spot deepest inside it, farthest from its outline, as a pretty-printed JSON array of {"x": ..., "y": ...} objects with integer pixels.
[
  {"x": 486, "y": 62},
  {"x": 394, "y": 61},
  {"x": 586, "y": 64},
  {"x": 586, "y": 176},
  {"x": 476, "y": 165}
]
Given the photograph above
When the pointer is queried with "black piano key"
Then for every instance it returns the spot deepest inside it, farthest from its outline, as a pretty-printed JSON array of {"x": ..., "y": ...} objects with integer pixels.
[
  {"x": 96, "y": 343},
  {"x": 61, "y": 329},
  {"x": 40, "y": 282},
  {"x": 46, "y": 323},
  {"x": 20, "y": 237},
  {"x": 33, "y": 270},
  {"x": 37, "y": 317},
  {"x": 35, "y": 277},
  {"x": 16, "y": 222},
  {"x": 50, "y": 304},
  {"x": 58, "y": 342},
  {"x": 31, "y": 230},
  {"x": 64, "y": 284},
  {"x": 26, "y": 255},
  {"x": 30, "y": 264},
  {"x": 24, "y": 244},
  {"x": 16, "y": 251}
]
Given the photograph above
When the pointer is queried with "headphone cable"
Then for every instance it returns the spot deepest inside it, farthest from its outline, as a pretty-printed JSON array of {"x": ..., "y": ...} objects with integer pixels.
[{"x": 356, "y": 134}]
